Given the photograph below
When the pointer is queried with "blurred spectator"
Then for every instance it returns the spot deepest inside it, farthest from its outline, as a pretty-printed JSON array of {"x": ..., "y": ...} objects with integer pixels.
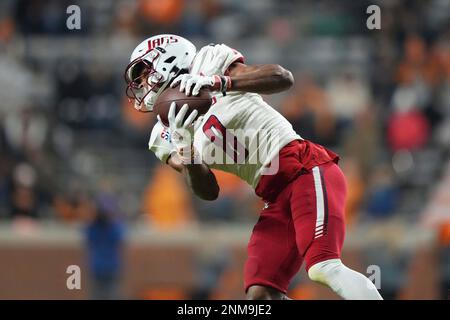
[
  {"x": 167, "y": 202},
  {"x": 105, "y": 239},
  {"x": 417, "y": 65},
  {"x": 307, "y": 108},
  {"x": 346, "y": 106},
  {"x": 211, "y": 264},
  {"x": 124, "y": 21},
  {"x": 24, "y": 199},
  {"x": 407, "y": 129},
  {"x": 15, "y": 91},
  {"x": 355, "y": 190},
  {"x": 26, "y": 130},
  {"x": 7, "y": 27},
  {"x": 229, "y": 206},
  {"x": 364, "y": 141},
  {"x": 197, "y": 16},
  {"x": 383, "y": 195},
  {"x": 160, "y": 16},
  {"x": 162, "y": 11},
  {"x": 74, "y": 207},
  {"x": 38, "y": 16}
]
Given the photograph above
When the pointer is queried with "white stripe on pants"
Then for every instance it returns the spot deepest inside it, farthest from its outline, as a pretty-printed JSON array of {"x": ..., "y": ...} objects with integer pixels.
[{"x": 320, "y": 206}]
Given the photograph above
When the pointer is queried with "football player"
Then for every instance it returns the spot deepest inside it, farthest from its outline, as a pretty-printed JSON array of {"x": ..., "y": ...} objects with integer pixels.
[{"x": 303, "y": 217}]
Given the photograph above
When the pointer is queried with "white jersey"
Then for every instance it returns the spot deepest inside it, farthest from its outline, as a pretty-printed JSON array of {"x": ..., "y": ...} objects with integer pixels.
[{"x": 240, "y": 134}]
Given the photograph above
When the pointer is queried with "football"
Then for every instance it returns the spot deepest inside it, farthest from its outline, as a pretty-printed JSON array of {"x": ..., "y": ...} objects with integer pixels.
[{"x": 201, "y": 102}]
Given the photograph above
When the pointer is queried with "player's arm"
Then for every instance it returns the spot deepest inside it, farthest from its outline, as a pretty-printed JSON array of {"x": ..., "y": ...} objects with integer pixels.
[
  {"x": 197, "y": 174},
  {"x": 199, "y": 177},
  {"x": 263, "y": 79}
]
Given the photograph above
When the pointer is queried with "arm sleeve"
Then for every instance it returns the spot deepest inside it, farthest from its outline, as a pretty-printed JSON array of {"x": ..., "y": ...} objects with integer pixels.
[{"x": 160, "y": 143}]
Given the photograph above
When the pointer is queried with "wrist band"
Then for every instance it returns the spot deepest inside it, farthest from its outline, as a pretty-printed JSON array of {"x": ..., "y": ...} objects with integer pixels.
[
  {"x": 217, "y": 83},
  {"x": 225, "y": 84},
  {"x": 222, "y": 84}
]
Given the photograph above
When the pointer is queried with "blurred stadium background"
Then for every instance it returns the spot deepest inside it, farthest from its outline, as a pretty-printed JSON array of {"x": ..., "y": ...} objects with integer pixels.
[{"x": 79, "y": 187}]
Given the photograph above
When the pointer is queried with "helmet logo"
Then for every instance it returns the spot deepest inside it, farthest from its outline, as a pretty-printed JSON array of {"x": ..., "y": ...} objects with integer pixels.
[{"x": 153, "y": 43}]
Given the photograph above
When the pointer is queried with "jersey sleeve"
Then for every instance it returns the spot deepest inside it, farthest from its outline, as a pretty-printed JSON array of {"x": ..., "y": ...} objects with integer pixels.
[
  {"x": 215, "y": 60},
  {"x": 160, "y": 143},
  {"x": 231, "y": 56}
]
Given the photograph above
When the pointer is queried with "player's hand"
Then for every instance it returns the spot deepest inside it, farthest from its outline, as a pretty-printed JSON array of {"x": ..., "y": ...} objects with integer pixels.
[
  {"x": 182, "y": 132},
  {"x": 193, "y": 83}
]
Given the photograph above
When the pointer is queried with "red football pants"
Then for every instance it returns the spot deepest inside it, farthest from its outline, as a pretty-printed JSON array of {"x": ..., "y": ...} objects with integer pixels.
[{"x": 304, "y": 223}]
